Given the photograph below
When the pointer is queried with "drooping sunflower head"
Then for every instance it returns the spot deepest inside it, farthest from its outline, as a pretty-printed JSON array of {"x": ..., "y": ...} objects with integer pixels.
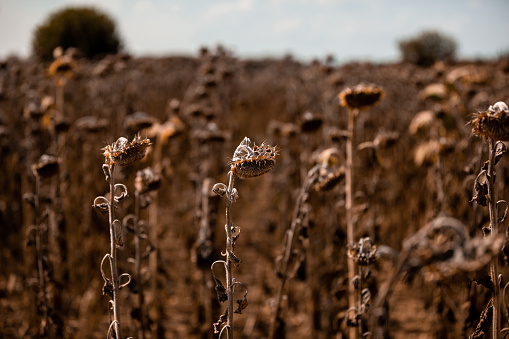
[
  {"x": 250, "y": 162},
  {"x": 493, "y": 123},
  {"x": 310, "y": 122},
  {"x": 360, "y": 96},
  {"x": 62, "y": 66},
  {"x": 124, "y": 153},
  {"x": 147, "y": 180},
  {"x": 46, "y": 166}
]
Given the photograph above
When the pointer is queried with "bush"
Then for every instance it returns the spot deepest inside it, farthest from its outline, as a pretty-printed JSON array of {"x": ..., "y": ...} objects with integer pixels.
[
  {"x": 87, "y": 29},
  {"x": 427, "y": 48}
]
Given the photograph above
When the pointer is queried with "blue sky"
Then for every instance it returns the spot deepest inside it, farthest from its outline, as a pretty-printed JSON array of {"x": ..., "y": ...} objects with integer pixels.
[{"x": 347, "y": 29}]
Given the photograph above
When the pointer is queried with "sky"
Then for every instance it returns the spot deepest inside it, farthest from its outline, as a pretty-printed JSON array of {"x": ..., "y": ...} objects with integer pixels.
[{"x": 349, "y": 30}]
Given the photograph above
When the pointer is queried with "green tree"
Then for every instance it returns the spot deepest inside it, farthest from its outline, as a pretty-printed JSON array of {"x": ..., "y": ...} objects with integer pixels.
[
  {"x": 427, "y": 48},
  {"x": 85, "y": 28}
]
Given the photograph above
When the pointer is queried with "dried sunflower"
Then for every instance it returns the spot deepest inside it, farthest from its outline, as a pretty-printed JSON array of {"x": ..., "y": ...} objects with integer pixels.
[
  {"x": 124, "y": 153},
  {"x": 328, "y": 178},
  {"x": 91, "y": 124},
  {"x": 252, "y": 162},
  {"x": 210, "y": 133},
  {"x": 282, "y": 129},
  {"x": 62, "y": 66},
  {"x": 360, "y": 96},
  {"x": 493, "y": 123},
  {"x": 385, "y": 139},
  {"x": 310, "y": 122},
  {"x": 138, "y": 121},
  {"x": 363, "y": 252},
  {"x": 147, "y": 180},
  {"x": 46, "y": 166}
]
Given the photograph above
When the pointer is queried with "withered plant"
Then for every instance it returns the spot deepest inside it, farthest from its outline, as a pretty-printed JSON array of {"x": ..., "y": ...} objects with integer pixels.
[
  {"x": 203, "y": 254},
  {"x": 45, "y": 168},
  {"x": 355, "y": 99},
  {"x": 145, "y": 182},
  {"x": 57, "y": 238},
  {"x": 310, "y": 124},
  {"x": 210, "y": 142},
  {"x": 493, "y": 126},
  {"x": 321, "y": 178},
  {"x": 441, "y": 252},
  {"x": 83, "y": 129},
  {"x": 382, "y": 141},
  {"x": 162, "y": 134},
  {"x": 363, "y": 254},
  {"x": 32, "y": 137},
  {"x": 61, "y": 69},
  {"x": 286, "y": 134},
  {"x": 120, "y": 153},
  {"x": 432, "y": 151},
  {"x": 247, "y": 162}
]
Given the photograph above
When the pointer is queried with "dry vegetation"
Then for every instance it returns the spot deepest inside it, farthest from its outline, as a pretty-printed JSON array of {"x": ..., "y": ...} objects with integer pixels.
[{"x": 418, "y": 259}]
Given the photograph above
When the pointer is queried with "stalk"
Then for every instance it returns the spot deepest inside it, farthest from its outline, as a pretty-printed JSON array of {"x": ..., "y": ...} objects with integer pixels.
[
  {"x": 40, "y": 265},
  {"x": 491, "y": 125},
  {"x": 495, "y": 329},
  {"x": 121, "y": 153},
  {"x": 348, "y": 207},
  {"x": 154, "y": 303},
  {"x": 284, "y": 270},
  {"x": 246, "y": 163},
  {"x": 229, "y": 250},
  {"x": 137, "y": 261},
  {"x": 359, "y": 301},
  {"x": 299, "y": 214},
  {"x": 113, "y": 254}
]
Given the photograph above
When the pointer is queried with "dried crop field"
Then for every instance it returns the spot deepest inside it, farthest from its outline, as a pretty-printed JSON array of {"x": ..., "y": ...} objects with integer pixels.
[{"x": 359, "y": 204}]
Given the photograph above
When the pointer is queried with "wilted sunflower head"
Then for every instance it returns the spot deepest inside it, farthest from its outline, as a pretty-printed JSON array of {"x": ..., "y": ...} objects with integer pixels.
[
  {"x": 360, "y": 96},
  {"x": 385, "y": 139},
  {"x": 147, "y": 180},
  {"x": 363, "y": 252},
  {"x": 493, "y": 123},
  {"x": 328, "y": 177},
  {"x": 282, "y": 129},
  {"x": 252, "y": 162},
  {"x": 46, "y": 166},
  {"x": 124, "y": 153},
  {"x": 328, "y": 172},
  {"x": 169, "y": 129},
  {"x": 47, "y": 104},
  {"x": 210, "y": 133},
  {"x": 310, "y": 122},
  {"x": 422, "y": 121},
  {"x": 90, "y": 124},
  {"x": 138, "y": 121},
  {"x": 62, "y": 66}
]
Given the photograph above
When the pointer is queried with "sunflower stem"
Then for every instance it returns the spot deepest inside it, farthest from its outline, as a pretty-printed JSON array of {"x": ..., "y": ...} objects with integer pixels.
[
  {"x": 353, "y": 334},
  {"x": 229, "y": 250},
  {"x": 495, "y": 328},
  {"x": 113, "y": 254}
]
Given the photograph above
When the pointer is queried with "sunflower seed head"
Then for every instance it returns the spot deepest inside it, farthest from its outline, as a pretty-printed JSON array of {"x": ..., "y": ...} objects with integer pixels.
[
  {"x": 124, "y": 153},
  {"x": 493, "y": 123},
  {"x": 361, "y": 96},
  {"x": 250, "y": 162}
]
